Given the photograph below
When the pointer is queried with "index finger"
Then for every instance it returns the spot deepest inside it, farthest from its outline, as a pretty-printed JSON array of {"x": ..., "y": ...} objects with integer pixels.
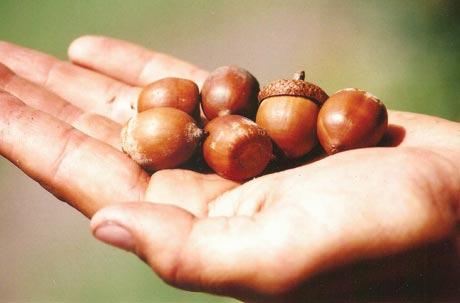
[{"x": 130, "y": 63}]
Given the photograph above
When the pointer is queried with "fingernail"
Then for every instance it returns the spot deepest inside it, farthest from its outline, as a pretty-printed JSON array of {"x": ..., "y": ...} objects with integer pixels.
[{"x": 116, "y": 235}]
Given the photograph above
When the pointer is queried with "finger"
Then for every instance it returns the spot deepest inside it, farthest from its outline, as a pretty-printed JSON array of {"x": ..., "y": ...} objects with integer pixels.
[
  {"x": 78, "y": 169},
  {"x": 214, "y": 255},
  {"x": 128, "y": 62},
  {"x": 94, "y": 125},
  {"x": 84, "y": 88},
  {"x": 417, "y": 130},
  {"x": 187, "y": 189}
]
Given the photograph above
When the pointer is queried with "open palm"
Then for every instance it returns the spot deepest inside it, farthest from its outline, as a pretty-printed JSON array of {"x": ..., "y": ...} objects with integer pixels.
[{"x": 282, "y": 237}]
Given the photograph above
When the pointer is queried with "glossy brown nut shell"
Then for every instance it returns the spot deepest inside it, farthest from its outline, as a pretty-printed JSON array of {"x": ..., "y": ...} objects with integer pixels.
[
  {"x": 230, "y": 90},
  {"x": 179, "y": 93},
  {"x": 290, "y": 122},
  {"x": 160, "y": 138},
  {"x": 349, "y": 119},
  {"x": 236, "y": 148}
]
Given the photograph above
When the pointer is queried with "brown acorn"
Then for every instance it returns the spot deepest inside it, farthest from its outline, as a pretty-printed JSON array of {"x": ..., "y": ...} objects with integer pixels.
[
  {"x": 229, "y": 90},
  {"x": 179, "y": 93},
  {"x": 236, "y": 148},
  {"x": 349, "y": 119},
  {"x": 161, "y": 137},
  {"x": 288, "y": 111}
]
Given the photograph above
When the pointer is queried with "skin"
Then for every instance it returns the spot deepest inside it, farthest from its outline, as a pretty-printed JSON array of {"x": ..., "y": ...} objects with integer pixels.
[{"x": 340, "y": 228}]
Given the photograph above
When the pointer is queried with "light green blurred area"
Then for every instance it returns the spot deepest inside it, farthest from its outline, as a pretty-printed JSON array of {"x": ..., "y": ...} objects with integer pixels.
[{"x": 405, "y": 52}]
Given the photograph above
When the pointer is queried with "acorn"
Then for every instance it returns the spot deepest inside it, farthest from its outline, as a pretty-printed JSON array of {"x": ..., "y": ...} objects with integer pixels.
[
  {"x": 351, "y": 118},
  {"x": 288, "y": 111},
  {"x": 230, "y": 90},
  {"x": 174, "y": 92},
  {"x": 160, "y": 138},
  {"x": 236, "y": 148}
]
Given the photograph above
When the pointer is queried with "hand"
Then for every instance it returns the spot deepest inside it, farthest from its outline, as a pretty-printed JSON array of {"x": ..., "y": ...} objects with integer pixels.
[
  {"x": 343, "y": 226},
  {"x": 60, "y": 123},
  {"x": 285, "y": 236}
]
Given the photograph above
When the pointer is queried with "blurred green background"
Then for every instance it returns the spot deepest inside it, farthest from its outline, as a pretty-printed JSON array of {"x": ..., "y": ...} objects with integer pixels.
[{"x": 406, "y": 52}]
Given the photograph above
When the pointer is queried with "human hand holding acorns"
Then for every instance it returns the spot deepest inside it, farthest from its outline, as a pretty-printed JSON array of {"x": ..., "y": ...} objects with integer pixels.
[
  {"x": 206, "y": 233},
  {"x": 292, "y": 114}
]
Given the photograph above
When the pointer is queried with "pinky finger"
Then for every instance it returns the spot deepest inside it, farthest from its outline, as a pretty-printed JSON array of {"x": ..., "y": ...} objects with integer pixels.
[{"x": 129, "y": 62}]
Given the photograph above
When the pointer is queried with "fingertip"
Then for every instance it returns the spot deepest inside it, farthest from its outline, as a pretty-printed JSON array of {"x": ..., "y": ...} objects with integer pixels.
[
  {"x": 115, "y": 235},
  {"x": 78, "y": 47},
  {"x": 112, "y": 213},
  {"x": 81, "y": 47},
  {"x": 155, "y": 232}
]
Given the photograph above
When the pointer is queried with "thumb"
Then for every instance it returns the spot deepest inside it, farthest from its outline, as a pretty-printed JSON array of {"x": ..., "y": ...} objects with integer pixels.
[
  {"x": 220, "y": 255},
  {"x": 155, "y": 232}
]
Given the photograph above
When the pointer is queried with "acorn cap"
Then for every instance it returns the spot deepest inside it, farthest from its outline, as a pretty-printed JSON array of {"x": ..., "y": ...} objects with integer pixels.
[{"x": 294, "y": 87}]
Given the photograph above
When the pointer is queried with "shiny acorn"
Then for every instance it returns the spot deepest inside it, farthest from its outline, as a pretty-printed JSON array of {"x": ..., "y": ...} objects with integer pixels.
[
  {"x": 229, "y": 90},
  {"x": 159, "y": 138},
  {"x": 179, "y": 93},
  {"x": 349, "y": 119},
  {"x": 236, "y": 148},
  {"x": 288, "y": 111}
]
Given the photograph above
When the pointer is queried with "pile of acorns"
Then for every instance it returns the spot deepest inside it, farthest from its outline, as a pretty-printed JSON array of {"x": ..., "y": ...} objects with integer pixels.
[{"x": 291, "y": 114}]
